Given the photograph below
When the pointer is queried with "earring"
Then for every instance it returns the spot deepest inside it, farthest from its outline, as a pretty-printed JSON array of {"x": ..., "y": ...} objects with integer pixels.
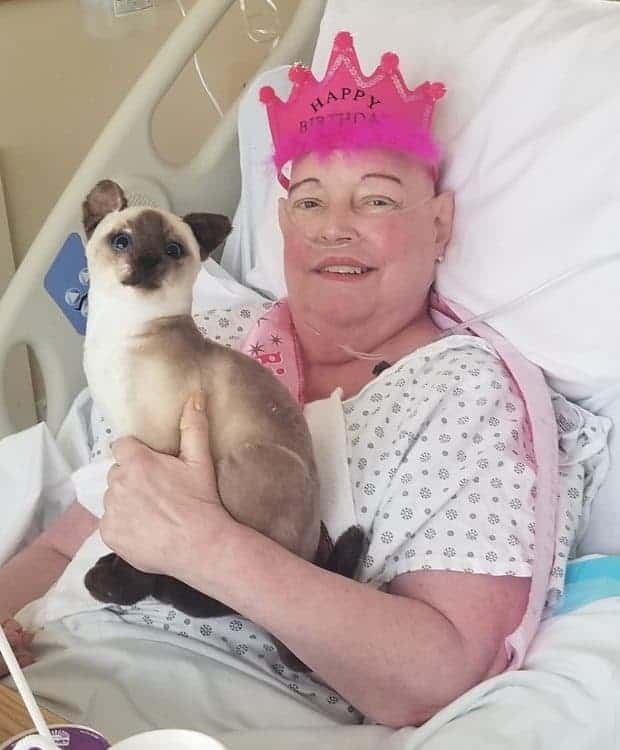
[{"x": 439, "y": 259}]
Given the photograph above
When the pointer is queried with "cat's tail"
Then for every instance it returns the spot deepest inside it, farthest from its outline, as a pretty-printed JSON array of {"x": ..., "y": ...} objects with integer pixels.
[{"x": 342, "y": 557}]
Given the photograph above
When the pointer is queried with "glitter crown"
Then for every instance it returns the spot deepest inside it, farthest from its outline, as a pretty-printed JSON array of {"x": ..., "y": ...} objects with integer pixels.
[{"x": 348, "y": 110}]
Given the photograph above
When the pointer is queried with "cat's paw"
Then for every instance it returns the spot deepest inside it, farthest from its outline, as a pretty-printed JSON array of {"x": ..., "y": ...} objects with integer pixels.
[{"x": 113, "y": 581}]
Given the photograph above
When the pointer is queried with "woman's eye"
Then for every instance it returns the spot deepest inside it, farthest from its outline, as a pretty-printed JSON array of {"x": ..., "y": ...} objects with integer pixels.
[
  {"x": 307, "y": 203},
  {"x": 121, "y": 241},
  {"x": 378, "y": 202},
  {"x": 174, "y": 250}
]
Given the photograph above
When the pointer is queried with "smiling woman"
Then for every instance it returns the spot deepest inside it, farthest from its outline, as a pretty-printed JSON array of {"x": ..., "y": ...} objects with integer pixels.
[{"x": 362, "y": 234}]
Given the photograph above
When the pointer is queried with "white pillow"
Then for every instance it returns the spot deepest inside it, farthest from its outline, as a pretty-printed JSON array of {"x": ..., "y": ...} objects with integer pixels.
[
  {"x": 253, "y": 250},
  {"x": 531, "y": 129}
]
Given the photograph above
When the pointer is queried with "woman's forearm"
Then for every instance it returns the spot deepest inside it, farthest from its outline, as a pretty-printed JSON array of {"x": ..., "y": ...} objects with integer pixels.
[
  {"x": 28, "y": 575},
  {"x": 345, "y": 631}
]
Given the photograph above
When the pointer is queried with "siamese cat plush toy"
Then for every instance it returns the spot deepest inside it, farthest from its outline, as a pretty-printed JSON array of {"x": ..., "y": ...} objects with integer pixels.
[{"x": 144, "y": 356}]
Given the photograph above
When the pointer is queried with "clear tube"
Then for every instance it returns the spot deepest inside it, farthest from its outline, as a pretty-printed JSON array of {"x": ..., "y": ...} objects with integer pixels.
[
  {"x": 555, "y": 281},
  {"x": 262, "y": 23},
  {"x": 262, "y": 20},
  {"x": 205, "y": 86}
]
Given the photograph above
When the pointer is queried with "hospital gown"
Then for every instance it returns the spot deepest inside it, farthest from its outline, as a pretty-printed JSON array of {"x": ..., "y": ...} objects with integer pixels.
[{"x": 442, "y": 475}]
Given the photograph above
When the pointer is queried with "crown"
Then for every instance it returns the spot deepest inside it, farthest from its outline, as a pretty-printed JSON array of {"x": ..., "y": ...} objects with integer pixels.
[{"x": 348, "y": 110}]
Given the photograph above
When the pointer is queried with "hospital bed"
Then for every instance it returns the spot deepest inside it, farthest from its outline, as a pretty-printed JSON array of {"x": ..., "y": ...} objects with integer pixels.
[{"x": 567, "y": 693}]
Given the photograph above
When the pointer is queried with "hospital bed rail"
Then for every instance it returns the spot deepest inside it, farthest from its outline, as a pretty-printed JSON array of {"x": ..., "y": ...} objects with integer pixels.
[{"x": 125, "y": 151}]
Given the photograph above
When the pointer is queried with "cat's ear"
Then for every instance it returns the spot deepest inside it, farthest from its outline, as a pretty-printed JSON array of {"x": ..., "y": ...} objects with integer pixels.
[
  {"x": 210, "y": 230},
  {"x": 104, "y": 198}
]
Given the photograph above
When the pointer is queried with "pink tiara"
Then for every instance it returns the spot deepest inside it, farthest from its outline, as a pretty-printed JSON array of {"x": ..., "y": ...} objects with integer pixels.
[{"x": 348, "y": 110}]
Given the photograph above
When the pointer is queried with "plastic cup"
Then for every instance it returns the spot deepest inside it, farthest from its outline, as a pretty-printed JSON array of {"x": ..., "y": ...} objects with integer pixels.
[
  {"x": 167, "y": 739},
  {"x": 66, "y": 736},
  {"x": 75, "y": 737}
]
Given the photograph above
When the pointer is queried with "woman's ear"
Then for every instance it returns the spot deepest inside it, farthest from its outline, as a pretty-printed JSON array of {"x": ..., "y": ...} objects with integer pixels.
[
  {"x": 210, "y": 230},
  {"x": 282, "y": 216},
  {"x": 444, "y": 218}
]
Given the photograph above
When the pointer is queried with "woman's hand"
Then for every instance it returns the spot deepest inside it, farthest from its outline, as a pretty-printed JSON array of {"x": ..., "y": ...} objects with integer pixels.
[
  {"x": 20, "y": 642},
  {"x": 161, "y": 512}
]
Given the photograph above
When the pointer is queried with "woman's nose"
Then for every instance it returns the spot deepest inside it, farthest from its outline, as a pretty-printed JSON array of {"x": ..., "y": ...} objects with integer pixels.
[{"x": 337, "y": 227}]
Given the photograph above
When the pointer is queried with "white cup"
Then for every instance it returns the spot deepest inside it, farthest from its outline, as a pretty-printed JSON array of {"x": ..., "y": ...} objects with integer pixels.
[{"x": 169, "y": 739}]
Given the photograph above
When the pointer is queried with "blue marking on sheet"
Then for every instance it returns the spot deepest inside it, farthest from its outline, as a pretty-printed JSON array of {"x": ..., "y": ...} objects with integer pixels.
[
  {"x": 67, "y": 282},
  {"x": 589, "y": 580}
]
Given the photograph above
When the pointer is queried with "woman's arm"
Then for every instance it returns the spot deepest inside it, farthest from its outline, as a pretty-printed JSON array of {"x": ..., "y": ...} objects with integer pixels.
[
  {"x": 398, "y": 657},
  {"x": 30, "y": 573}
]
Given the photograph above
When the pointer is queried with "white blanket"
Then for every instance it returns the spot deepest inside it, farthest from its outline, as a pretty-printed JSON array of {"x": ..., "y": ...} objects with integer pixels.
[
  {"x": 35, "y": 477},
  {"x": 122, "y": 679}
]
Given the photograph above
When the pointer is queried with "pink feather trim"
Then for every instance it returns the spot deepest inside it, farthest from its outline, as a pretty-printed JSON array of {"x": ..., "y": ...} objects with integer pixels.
[{"x": 388, "y": 134}]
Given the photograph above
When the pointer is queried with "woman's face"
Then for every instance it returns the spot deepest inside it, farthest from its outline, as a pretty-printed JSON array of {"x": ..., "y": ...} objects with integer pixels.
[{"x": 362, "y": 233}]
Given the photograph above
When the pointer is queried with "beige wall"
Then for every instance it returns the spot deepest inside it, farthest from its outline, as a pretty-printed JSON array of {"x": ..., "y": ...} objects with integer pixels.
[{"x": 59, "y": 85}]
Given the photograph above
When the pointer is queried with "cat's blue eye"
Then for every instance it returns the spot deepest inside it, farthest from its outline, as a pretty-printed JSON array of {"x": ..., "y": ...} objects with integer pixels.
[
  {"x": 174, "y": 250},
  {"x": 121, "y": 241}
]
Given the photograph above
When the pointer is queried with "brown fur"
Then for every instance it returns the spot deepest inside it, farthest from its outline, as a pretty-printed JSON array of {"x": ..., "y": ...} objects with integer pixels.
[{"x": 259, "y": 439}]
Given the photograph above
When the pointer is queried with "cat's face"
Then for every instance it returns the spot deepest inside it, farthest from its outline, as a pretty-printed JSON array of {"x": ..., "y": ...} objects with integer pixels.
[{"x": 145, "y": 249}]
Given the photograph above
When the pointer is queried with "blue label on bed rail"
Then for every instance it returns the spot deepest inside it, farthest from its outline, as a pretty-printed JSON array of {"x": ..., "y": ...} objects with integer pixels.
[{"x": 67, "y": 282}]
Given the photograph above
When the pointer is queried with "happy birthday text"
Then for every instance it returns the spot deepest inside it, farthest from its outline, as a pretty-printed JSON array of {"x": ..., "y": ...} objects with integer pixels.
[{"x": 345, "y": 93}]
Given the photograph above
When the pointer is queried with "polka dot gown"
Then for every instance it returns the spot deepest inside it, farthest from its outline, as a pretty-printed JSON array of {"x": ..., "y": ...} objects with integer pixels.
[
  {"x": 441, "y": 465},
  {"x": 443, "y": 478}
]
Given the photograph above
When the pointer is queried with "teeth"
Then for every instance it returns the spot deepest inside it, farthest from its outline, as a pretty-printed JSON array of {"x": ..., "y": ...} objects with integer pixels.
[{"x": 344, "y": 269}]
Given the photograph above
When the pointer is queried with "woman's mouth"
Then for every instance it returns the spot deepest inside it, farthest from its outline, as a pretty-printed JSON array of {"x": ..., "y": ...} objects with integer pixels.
[{"x": 343, "y": 271}]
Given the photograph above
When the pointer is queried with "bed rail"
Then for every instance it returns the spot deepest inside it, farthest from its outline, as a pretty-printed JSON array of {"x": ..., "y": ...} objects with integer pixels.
[{"x": 125, "y": 151}]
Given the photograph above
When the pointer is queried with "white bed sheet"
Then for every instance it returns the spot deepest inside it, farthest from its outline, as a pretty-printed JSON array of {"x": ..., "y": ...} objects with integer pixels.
[{"x": 123, "y": 679}]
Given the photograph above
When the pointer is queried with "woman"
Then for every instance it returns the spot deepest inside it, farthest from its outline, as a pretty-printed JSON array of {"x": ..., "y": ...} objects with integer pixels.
[
  {"x": 428, "y": 624},
  {"x": 439, "y": 452}
]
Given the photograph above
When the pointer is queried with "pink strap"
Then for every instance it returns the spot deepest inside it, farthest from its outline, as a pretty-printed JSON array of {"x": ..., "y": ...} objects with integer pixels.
[{"x": 541, "y": 416}]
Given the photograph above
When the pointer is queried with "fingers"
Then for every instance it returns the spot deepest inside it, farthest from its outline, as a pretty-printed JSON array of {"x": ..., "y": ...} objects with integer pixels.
[
  {"x": 24, "y": 658},
  {"x": 16, "y": 635},
  {"x": 12, "y": 629},
  {"x": 127, "y": 448},
  {"x": 113, "y": 473},
  {"x": 20, "y": 641},
  {"x": 195, "y": 431},
  {"x": 106, "y": 501}
]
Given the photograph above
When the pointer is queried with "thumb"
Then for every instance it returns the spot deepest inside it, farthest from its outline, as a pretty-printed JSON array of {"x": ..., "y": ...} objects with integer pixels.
[{"x": 195, "y": 431}]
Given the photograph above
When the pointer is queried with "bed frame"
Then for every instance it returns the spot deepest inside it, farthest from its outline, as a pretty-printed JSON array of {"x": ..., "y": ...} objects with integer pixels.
[{"x": 124, "y": 151}]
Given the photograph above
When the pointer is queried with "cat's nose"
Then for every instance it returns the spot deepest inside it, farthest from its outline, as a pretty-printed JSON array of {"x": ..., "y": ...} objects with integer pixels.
[{"x": 147, "y": 262}]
